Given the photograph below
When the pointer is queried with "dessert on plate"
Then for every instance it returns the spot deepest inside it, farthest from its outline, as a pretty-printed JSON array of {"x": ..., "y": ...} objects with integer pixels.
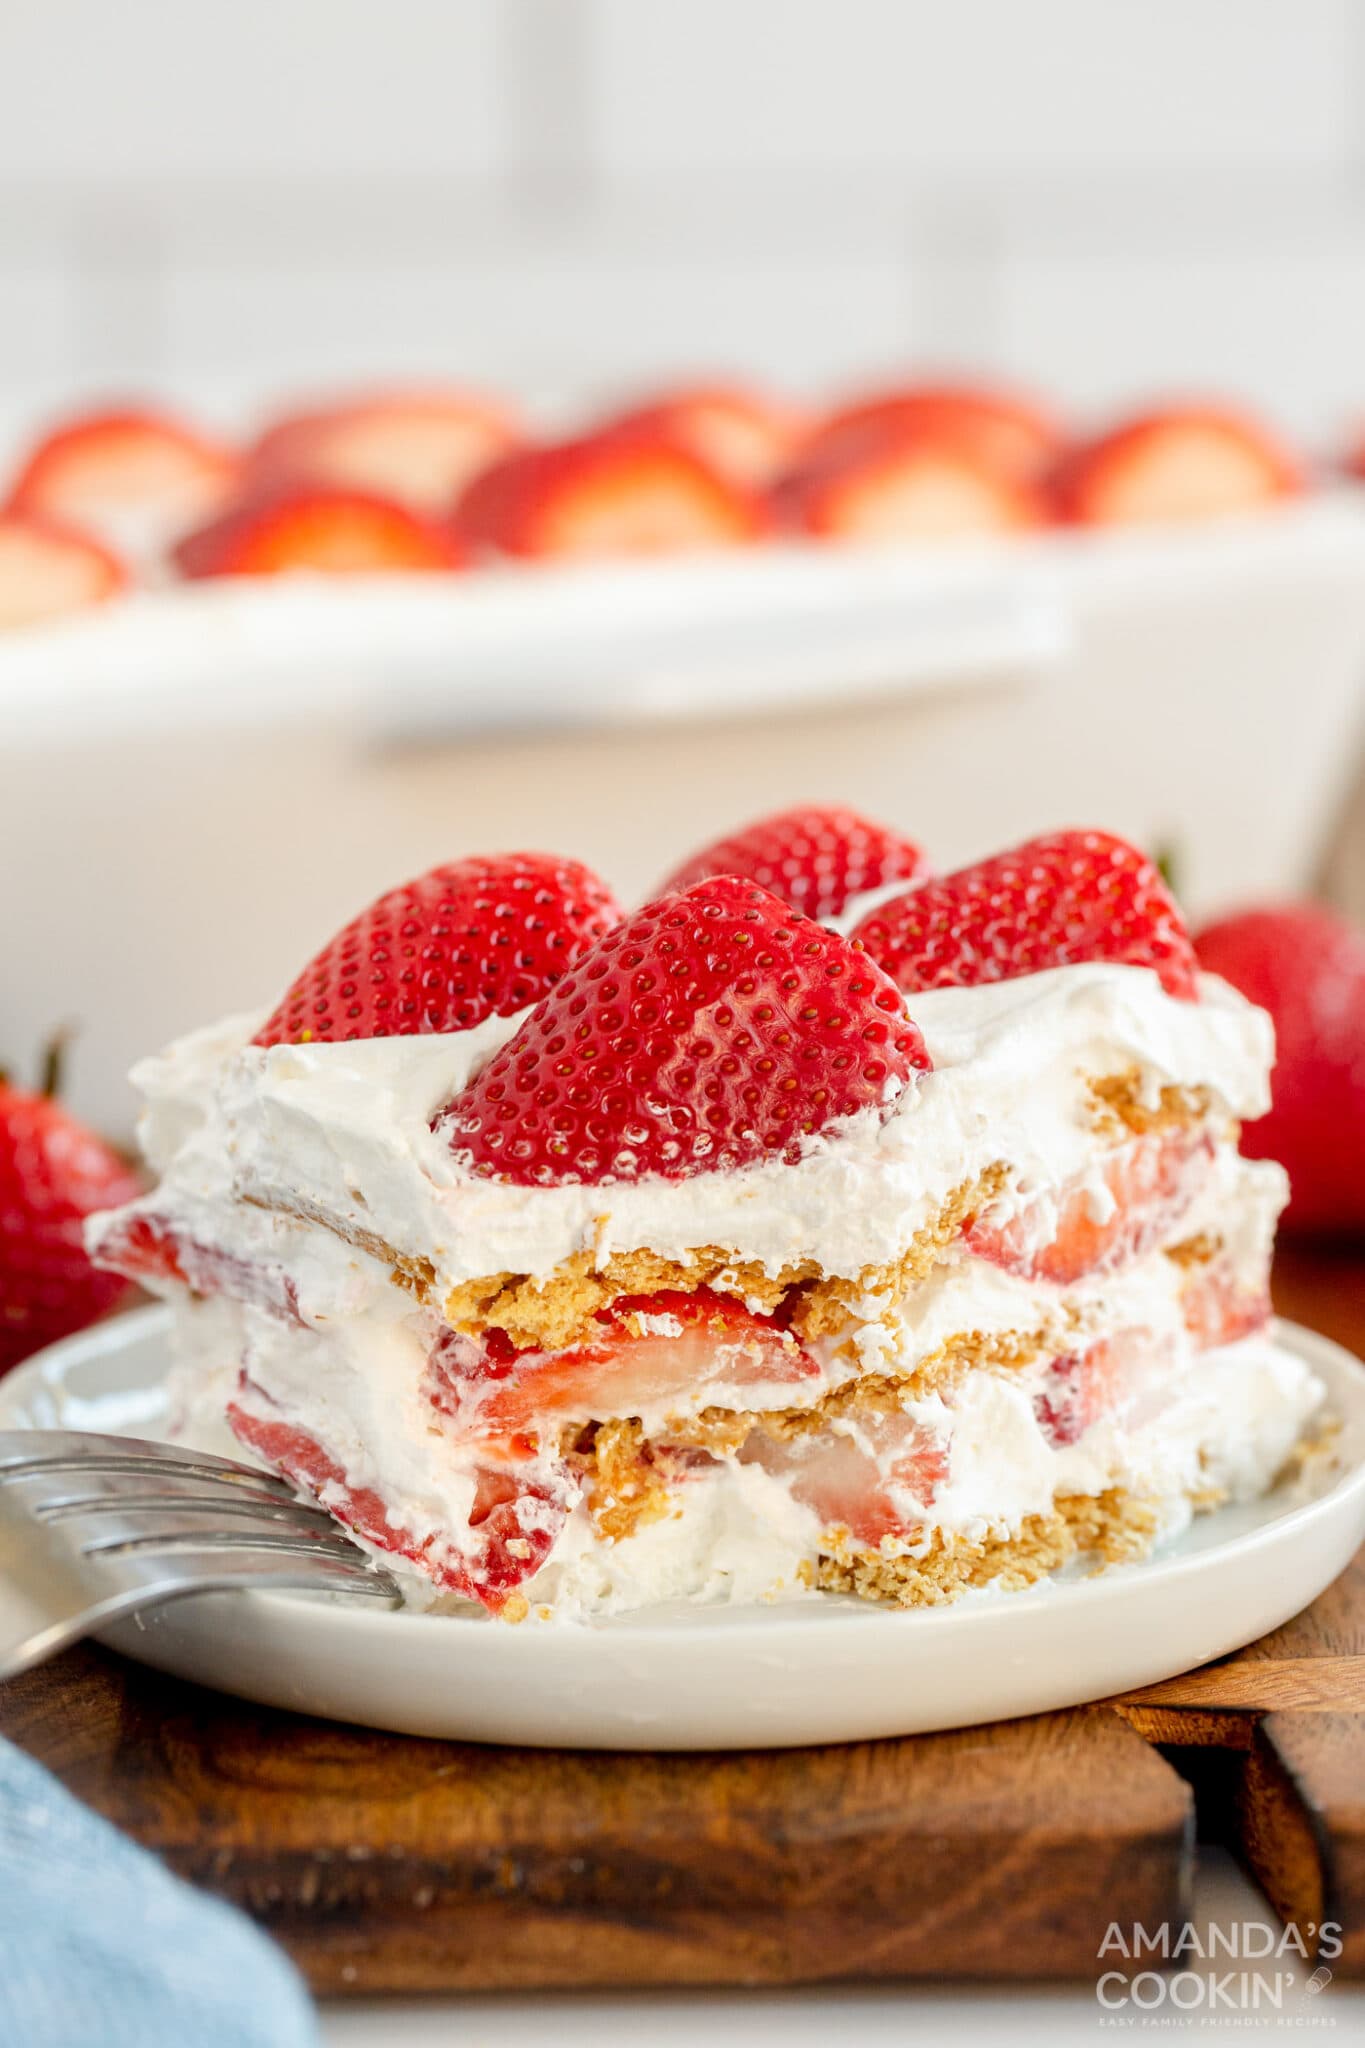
[{"x": 580, "y": 1259}]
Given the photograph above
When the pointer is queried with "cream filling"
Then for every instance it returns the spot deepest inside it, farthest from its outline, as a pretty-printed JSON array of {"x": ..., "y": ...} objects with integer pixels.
[{"x": 344, "y": 1130}]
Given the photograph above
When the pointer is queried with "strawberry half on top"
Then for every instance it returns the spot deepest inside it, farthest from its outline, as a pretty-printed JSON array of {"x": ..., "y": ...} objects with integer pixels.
[
  {"x": 712, "y": 1029},
  {"x": 1187, "y": 463},
  {"x": 1053, "y": 902},
  {"x": 318, "y": 527},
  {"x": 815, "y": 857},
  {"x": 904, "y": 483},
  {"x": 742, "y": 433},
  {"x": 421, "y": 447},
  {"x": 607, "y": 494},
  {"x": 47, "y": 569},
  {"x": 109, "y": 469},
  {"x": 474, "y": 939}
]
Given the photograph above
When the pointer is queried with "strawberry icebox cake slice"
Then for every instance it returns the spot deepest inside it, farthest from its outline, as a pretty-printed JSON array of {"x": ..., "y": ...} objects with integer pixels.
[{"x": 821, "y": 1227}]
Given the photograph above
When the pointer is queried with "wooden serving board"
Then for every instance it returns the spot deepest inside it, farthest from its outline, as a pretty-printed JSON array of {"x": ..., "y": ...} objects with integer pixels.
[{"x": 388, "y": 1863}]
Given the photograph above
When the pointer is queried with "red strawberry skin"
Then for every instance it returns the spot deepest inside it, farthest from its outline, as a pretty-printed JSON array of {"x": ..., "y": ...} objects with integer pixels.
[
  {"x": 1306, "y": 966},
  {"x": 1184, "y": 463},
  {"x": 816, "y": 858},
  {"x": 713, "y": 1028},
  {"x": 612, "y": 493},
  {"x": 420, "y": 446},
  {"x": 128, "y": 456},
  {"x": 904, "y": 483},
  {"x": 321, "y": 527},
  {"x": 1053, "y": 902},
  {"x": 503, "y": 1552},
  {"x": 473, "y": 939},
  {"x": 1010, "y": 431},
  {"x": 53, "y": 1174},
  {"x": 744, "y": 434}
]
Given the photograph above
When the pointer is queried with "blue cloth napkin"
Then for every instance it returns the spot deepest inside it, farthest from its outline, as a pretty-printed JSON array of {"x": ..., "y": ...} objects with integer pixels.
[{"x": 100, "y": 1947}]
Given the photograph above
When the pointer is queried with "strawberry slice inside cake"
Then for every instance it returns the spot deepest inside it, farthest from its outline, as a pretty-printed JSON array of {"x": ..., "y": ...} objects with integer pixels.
[{"x": 580, "y": 1260}]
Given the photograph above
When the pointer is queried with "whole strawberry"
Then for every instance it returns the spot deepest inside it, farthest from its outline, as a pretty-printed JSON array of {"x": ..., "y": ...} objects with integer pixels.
[
  {"x": 817, "y": 858},
  {"x": 53, "y": 1173},
  {"x": 1053, "y": 902},
  {"x": 712, "y": 1029},
  {"x": 474, "y": 939},
  {"x": 1307, "y": 967}
]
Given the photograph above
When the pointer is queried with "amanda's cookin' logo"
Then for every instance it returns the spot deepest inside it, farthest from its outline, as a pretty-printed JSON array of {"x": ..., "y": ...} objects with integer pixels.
[{"x": 1139, "y": 1977}]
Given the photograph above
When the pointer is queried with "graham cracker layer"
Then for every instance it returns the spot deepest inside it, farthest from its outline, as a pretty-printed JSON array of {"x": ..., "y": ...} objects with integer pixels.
[
  {"x": 1114, "y": 1527},
  {"x": 1119, "y": 1105},
  {"x": 560, "y": 1309}
]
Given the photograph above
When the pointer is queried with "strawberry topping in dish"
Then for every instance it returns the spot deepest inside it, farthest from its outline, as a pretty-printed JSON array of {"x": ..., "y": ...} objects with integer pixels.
[
  {"x": 613, "y": 493},
  {"x": 324, "y": 528}
]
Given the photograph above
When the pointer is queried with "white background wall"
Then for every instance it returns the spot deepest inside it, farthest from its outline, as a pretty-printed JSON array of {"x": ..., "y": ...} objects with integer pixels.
[{"x": 1103, "y": 196}]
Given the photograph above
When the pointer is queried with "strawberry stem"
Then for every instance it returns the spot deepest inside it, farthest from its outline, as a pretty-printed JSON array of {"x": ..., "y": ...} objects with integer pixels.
[{"x": 54, "y": 1061}]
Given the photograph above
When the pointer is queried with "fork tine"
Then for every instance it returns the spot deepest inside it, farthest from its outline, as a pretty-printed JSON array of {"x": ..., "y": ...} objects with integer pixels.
[
  {"x": 35, "y": 1451},
  {"x": 245, "y": 1506}
]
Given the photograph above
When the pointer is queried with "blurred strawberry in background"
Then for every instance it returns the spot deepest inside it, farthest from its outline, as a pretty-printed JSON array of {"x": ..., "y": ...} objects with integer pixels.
[
  {"x": 612, "y": 493},
  {"x": 1005, "y": 430},
  {"x": 1307, "y": 967},
  {"x": 1164, "y": 468},
  {"x": 323, "y": 528},
  {"x": 54, "y": 1172},
  {"x": 744, "y": 433},
  {"x": 48, "y": 568},
  {"x": 421, "y": 447},
  {"x": 132, "y": 475}
]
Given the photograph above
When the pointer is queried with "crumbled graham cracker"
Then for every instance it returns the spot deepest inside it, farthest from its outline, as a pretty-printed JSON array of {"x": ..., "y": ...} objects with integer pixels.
[
  {"x": 1118, "y": 1105},
  {"x": 559, "y": 1310},
  {"x": 624, "y": 1488},
  {"x": 1114, "y": 1527},
  {"x": 1195, "y": 1251}
]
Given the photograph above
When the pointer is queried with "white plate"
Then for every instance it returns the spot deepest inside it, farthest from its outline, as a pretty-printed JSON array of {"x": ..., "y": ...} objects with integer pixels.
[{"x": 708, "y": 1678}]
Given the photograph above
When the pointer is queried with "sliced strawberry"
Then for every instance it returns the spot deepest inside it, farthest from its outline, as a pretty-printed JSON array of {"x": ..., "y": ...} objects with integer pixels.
[
  {"x": 47, "y": 570},
  {"x": 1219, "y": 1305},
  {"x": 1098, "y": 1221},
  {"x": 741, "y": 433},
  {"x": 1082, "y": 1387},
  {"x": 421, "y": 447},
  {"x": 101, "y": 466},
  {"x": 148, "y": 1248},
  {"x": 1012, "y": 433},
  {"x": 1053, "y": 902},
  {"x": 653, "y": 1349},
  {"x": 512, "y": 1526},
  {"x": 321, "y": 528},
  {"x": 1189, "y": 463},
  {"x": 904, "y": 484},
  {"x": 607, "y": 494},
  {"x": 815, "y": 858},
  {"x": 875, "y": 1475},
  {"x": 473, "y": 939},
  {"x": 711, "y": 1029}
]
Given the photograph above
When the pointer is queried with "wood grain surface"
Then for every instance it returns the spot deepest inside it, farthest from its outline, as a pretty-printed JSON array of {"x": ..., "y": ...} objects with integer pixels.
[{"x": 387, "y": 1863}]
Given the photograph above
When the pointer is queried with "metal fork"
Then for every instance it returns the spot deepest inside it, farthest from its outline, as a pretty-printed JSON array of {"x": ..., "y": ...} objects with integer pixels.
[{"x": 95, "y": 1527}]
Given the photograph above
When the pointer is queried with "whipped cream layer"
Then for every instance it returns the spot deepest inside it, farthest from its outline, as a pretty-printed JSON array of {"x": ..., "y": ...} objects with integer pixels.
[
  {"x": 342, "y": 1132},
  {"x": 1225, "y": 1421}
]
